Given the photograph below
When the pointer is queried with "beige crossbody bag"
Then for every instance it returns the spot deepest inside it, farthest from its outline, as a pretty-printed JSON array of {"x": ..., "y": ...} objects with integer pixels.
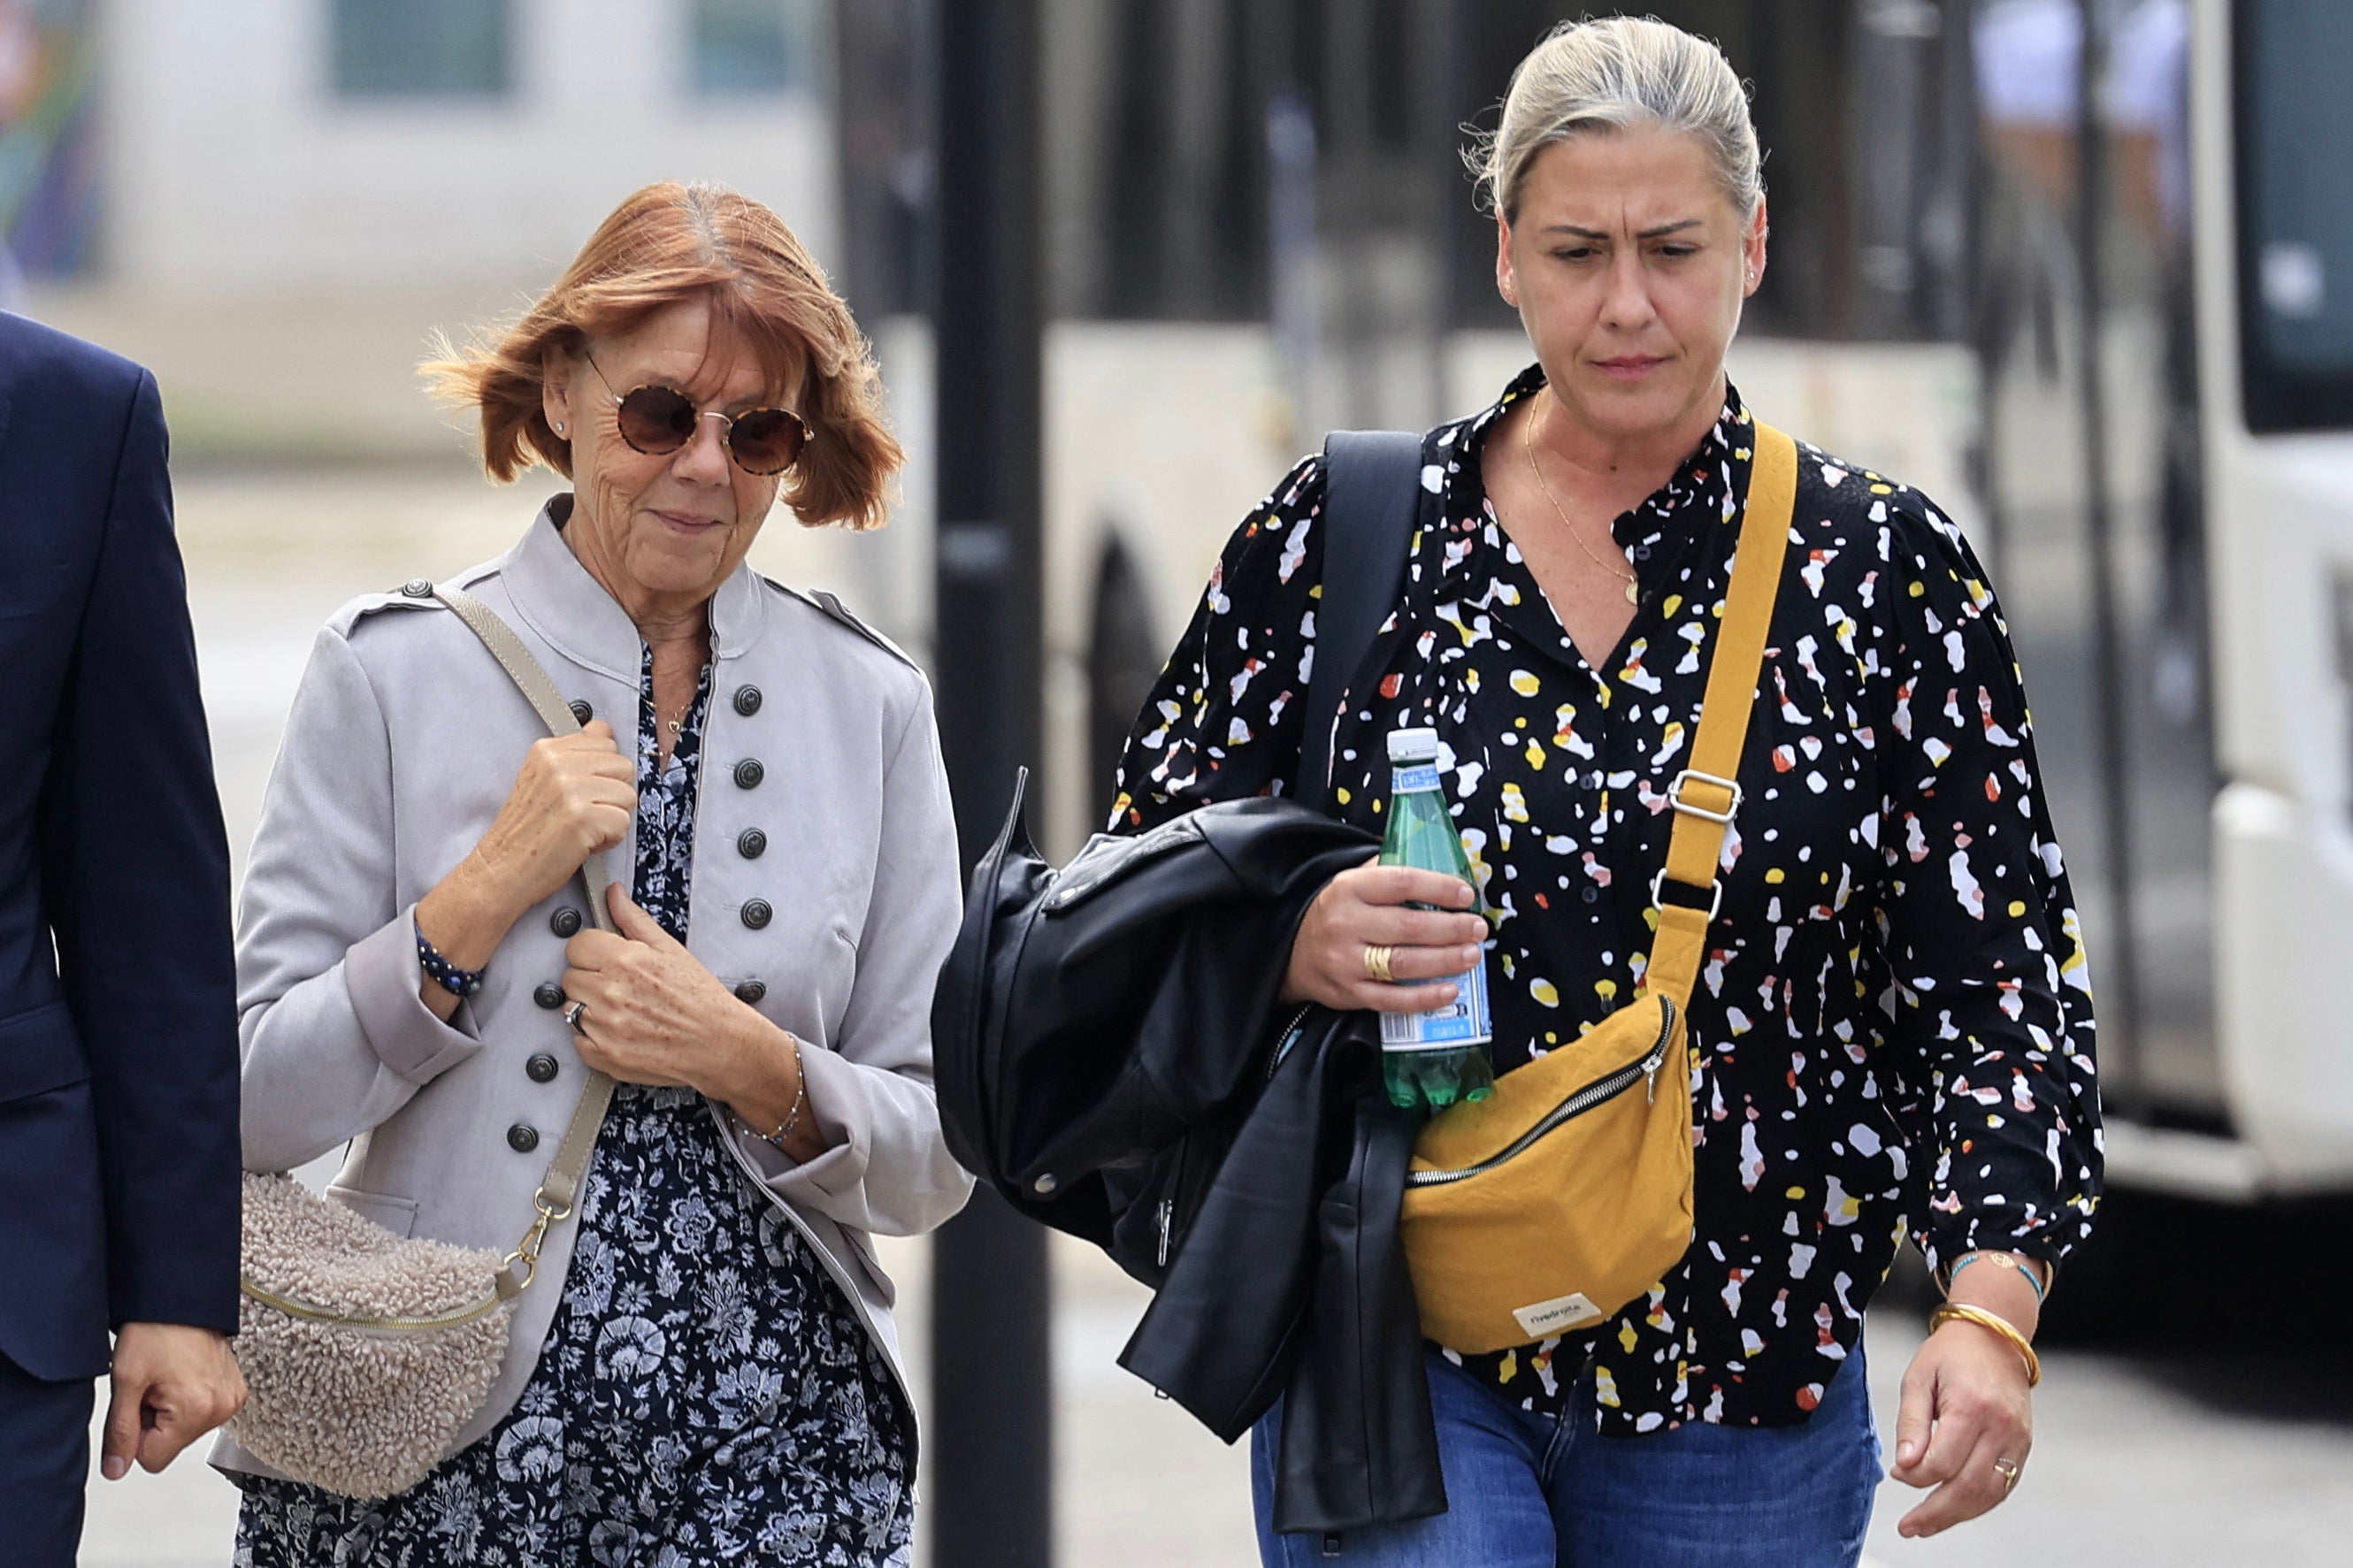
[{"x": 365, "y": 1352}]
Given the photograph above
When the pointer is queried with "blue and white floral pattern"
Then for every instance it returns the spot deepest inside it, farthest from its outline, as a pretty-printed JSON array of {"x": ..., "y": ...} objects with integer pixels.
[{"x": 705, "y": 1395}]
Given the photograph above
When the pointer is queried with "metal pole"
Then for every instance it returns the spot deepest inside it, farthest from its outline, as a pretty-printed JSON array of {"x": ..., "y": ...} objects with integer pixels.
[
  {"x": 2119, "y": 997},
  {"x": 991, "y": 1431}
]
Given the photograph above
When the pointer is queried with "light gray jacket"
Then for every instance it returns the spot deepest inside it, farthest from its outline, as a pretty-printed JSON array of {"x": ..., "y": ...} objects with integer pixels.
[{"x": 405, "y": 738}]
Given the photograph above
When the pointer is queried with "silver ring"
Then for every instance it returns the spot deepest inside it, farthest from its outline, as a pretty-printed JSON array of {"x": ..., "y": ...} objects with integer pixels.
[{"x": 572, "y": 1016}]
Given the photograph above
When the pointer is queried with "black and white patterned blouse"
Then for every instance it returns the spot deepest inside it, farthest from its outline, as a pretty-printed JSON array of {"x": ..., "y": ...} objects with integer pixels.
[
  {"x": 1892, "y": 1026},
  {"x": 705, "y": 1395}
]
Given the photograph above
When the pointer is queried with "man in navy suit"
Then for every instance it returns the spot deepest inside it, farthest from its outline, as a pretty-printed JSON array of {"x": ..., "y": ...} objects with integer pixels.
[{"x": 118, "y": 1166}]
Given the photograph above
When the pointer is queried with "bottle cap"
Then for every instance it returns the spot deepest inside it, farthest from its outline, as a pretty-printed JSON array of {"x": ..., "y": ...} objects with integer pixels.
[{"x": 1413, "y": 745}]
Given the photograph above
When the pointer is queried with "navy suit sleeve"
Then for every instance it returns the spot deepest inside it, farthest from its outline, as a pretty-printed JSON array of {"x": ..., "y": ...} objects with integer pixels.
[{"x": 136, "y": 874}]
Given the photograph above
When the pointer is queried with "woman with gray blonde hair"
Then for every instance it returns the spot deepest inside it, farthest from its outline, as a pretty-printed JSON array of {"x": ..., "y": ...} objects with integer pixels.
[{"x": 1891, "y": 1029}]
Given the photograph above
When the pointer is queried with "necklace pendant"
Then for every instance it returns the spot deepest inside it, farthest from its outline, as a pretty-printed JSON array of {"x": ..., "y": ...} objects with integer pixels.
[{"x": 1633, "y": 592}]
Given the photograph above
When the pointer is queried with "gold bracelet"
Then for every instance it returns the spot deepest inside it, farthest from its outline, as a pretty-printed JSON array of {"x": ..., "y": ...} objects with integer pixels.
[{"x": 1995, "y": 1322}]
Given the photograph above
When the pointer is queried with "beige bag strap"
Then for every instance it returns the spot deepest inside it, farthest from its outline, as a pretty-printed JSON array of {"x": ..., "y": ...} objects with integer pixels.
[
  {"x": 1706, "y": 793},
  {"x": 557, "y": 1189}
]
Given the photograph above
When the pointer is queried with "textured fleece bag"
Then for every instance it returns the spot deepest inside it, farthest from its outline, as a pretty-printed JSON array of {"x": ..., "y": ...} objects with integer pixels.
[
  {"x": 365, "y": 1352},
  {"x": 1568, "y": 1193}
]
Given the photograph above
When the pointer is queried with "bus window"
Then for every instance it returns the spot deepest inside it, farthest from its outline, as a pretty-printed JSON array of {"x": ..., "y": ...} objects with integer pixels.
[{"x": 2296, "y": 213}]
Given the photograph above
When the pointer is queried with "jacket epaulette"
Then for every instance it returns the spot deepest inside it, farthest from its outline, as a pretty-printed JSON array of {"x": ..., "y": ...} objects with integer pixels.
[{"x": 828, "y": 605}]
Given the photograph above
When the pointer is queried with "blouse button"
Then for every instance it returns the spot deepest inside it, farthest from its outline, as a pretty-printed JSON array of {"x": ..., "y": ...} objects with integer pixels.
[
  {"x": 1591, "y": 895},
  {"x": 542, "y": 1068},
  {"x": 756, "y": 913},
  {"x": 748, "y": 700},
  {"x": 751, "y": 844},
  {"x": 581, "y": 711},
  {"x": 749, "y": 772},
  {"x": 549, "y": 996},
  {"x": 750, "y": 992},
  {"x": 523, "y": 1138},
  {"x": 564, "y": 922}
]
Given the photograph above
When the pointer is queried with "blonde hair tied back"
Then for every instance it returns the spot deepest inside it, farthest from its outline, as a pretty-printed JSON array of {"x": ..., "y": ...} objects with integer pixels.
[{"x": 1608, "y": 73}]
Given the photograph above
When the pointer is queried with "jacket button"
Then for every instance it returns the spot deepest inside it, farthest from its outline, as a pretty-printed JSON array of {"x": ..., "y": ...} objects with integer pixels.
[
  {"x": 756, "y": 913},
  {"x": 751, "y": 844},
  {"x": 1044, "y": 1187},
  {"x": 581, "y": 711},
  {"x": 549, "y": 996},
  {"x": 748, "y": 700},
  {"x": 523, "y": 1138},
  {"x": 564, "y": 922},
  {"x": 418, "y": 588},
  {"x": 543, "y": 1070},
  {"x": 751, "y": 991},
  {"x": 749, "y": 772}
]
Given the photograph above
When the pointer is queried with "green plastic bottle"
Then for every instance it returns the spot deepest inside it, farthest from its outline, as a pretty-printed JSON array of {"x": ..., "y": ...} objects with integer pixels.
[{"x": 1432, "y": 1059}]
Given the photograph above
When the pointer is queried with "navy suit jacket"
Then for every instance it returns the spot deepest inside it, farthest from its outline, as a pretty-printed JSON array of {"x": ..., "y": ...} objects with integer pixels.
[{"x": 119, "y": 1168}]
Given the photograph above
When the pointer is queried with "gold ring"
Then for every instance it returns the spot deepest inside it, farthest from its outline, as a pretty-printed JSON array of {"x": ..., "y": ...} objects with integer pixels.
[
  {"x": 2008, "y": 1471},
  {"x": 1376, "y": 962}
]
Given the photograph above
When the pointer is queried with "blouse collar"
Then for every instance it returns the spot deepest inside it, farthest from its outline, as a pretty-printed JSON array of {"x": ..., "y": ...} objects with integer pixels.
[{"x": 1709, "y": 483}]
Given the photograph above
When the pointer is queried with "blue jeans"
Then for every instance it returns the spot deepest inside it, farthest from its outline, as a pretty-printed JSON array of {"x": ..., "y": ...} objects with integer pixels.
[{"x": 1533, "y": 1491}]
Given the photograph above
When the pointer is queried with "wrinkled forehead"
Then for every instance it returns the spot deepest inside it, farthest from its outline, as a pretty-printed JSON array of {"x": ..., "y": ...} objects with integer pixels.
[
  {"x": 1615, "y": 179},
  {"x": 716, "y": 356}
]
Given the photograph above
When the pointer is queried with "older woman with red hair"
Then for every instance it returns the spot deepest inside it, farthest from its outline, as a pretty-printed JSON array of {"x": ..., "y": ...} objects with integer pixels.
[{"x": 706, "y": 1358}]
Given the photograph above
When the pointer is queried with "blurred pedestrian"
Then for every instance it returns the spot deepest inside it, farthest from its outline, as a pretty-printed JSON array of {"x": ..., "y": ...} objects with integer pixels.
[
  {"x": 118, "y": 1048},
  {"x": 1891, "y": 1027},
  {"x": 706, "y": 1362}
]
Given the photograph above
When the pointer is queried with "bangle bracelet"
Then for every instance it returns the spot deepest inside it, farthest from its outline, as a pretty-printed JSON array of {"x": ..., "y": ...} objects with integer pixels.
[
  {"x": 2010, "y": 1260},
  {"x": 792, "y": 1120},
  {"x": 1952, "y": 1311},
  {"x": 440, "y": 971}
]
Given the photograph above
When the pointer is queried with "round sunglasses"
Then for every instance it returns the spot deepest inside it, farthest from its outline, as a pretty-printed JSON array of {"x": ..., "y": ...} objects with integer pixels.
[{"x": 658, "y": 420}]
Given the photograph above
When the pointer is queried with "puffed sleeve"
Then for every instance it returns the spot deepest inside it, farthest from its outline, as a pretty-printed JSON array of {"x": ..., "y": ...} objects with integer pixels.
[
  {"x": 1224, "y": 721},
  {"x": 1991, "y": 995}
]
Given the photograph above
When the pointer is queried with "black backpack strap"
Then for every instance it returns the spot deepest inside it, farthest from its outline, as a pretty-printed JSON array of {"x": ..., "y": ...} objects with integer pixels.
[{"x": 1372, "y": 498}]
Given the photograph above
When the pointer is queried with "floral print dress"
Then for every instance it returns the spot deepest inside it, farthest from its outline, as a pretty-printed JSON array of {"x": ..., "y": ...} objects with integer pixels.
[
  {"x": 1892, "y": 1031},
  {"x": 705, "y": 1395}
]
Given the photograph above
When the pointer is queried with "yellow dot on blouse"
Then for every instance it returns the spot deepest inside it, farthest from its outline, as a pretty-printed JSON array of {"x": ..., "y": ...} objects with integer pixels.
[
  {"x": 2017, "y": 908},
  {"x": 1340, "y": 794},
  {"x": 1775, "y": 875},
  {"x": 1525, "y": 683},
  {"x": 1626, "y": 1336},
  {"x": 1535, "y": 756},
  {"x": 1919, "y": 589},
  {"x": 1882, "y": 489},
  {"x": 1605, "y": 989},
  {"x": 1671, "y": 604},
  {"x": 1795, "y": 1193},
  {"x": 1544, "y": 992}
]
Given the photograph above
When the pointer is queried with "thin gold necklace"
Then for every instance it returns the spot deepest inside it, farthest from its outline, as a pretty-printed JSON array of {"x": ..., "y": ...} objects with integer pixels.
[{"x": 1528, "y": 445}]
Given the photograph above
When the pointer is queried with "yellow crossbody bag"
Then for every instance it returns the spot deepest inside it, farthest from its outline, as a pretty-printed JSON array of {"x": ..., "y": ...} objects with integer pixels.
[{"x": 1567, "y": 1194}]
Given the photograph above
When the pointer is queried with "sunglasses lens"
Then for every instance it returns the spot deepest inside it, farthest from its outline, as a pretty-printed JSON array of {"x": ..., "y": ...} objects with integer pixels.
[
  {"x": 768, "y": 441},
  {"x": 656, "y": 419}
]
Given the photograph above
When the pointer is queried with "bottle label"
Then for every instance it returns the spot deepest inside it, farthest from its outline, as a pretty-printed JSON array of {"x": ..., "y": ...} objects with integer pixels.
[
  {"x": 1462, "y": 1023},
  {"x": 1413, "y": 777}
]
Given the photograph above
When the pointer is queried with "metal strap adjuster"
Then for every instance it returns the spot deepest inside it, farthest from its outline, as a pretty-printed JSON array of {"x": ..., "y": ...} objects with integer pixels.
[
  {"x": 1730, "y": 786},
  {"x": 1714, "y": 890}
]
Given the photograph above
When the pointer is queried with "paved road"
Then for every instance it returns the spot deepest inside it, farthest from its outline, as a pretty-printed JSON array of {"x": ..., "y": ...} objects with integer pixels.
[{"x": 2225, "y": 1457}]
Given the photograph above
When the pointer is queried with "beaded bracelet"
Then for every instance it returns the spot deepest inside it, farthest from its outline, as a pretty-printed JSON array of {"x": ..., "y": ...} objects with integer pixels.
[
  {"x": 792, "y": 1120},
  {"x": 2004, "y": 1259},
  {"x": 440, "y": 971}
]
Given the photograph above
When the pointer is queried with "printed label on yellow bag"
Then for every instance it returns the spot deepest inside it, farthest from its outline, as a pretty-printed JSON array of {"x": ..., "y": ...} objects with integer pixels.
[{"x": 1544, "y": 1318}]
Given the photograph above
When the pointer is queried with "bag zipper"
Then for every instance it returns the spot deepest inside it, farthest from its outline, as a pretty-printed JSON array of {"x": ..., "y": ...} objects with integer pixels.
[{"x": 1602, "y": 1089}]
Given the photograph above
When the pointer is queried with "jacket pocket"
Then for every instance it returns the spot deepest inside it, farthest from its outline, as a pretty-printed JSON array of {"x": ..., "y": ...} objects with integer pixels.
[
  {"x": 396, "y": 1214},
  {"x": 39, "y": 1052}
]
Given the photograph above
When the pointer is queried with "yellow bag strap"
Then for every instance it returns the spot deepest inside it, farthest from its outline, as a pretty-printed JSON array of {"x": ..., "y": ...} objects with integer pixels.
[{"x": 1706, "y": 794}]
